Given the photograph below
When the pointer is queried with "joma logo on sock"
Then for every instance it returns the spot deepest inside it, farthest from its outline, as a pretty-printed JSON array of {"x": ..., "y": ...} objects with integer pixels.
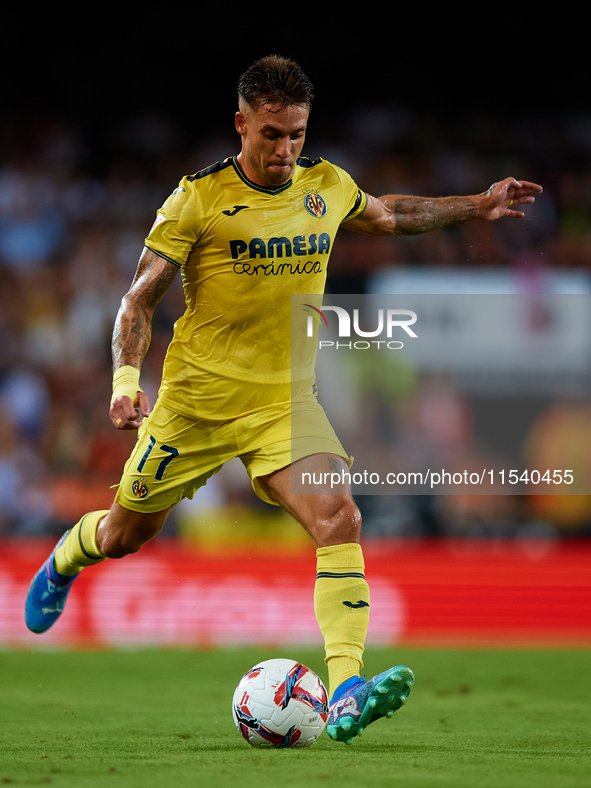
[{"x": 361, "y": 603}]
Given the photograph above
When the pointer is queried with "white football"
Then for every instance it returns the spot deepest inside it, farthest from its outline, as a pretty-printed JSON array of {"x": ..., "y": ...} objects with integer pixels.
[{"x": 280, "y": 703}]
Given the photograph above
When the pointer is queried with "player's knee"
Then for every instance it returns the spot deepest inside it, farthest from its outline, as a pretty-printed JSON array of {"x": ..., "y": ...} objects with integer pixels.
[
  {"x": 340, "y": 525},
  {"x": 117, "y": 543},
  {"x": 120, "y": 545},
  {"x": 128, "y": 534}
]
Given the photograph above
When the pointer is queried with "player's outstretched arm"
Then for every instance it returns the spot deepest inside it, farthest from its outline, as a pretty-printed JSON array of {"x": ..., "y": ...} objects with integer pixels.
[
  {"x": 131, "y": 338},
  {"x": 395, "y": 214}
]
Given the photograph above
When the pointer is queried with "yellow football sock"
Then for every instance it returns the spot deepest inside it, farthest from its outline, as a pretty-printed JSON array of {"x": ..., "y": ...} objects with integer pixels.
[
  {"x": 79, "y": 547},
  {"x": 341, "y": 604}
]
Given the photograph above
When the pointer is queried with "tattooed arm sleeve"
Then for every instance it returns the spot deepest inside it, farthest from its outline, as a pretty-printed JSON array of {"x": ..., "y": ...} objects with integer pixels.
[
  {"x": 395, "y": 214},
  {"x": 133, "y": 325}
]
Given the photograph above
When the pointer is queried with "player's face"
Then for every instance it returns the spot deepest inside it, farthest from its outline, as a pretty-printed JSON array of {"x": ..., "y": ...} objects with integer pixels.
[{"x": 272, "y": 140}]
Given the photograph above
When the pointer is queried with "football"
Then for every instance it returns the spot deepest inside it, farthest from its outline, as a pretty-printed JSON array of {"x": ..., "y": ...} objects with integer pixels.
[{"x": 280, "y": 703}]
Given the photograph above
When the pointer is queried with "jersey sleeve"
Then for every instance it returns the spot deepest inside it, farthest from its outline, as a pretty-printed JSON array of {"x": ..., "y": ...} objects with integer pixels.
[
  {"x": 354, "y": 198},
  {"x": 176, "y": 228}
]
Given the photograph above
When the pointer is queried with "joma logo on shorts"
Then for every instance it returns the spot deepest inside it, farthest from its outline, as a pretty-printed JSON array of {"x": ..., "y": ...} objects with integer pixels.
[{"x": 299, "y": 246}]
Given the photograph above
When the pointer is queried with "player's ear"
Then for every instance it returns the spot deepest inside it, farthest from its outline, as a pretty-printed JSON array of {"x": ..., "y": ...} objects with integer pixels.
[{"x": 240, "y": 122}]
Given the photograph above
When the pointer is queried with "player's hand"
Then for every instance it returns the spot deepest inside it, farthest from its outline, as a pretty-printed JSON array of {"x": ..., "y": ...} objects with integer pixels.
[
  {"x": 500, "y": 199},
  {"x": 125, "y": 415}
]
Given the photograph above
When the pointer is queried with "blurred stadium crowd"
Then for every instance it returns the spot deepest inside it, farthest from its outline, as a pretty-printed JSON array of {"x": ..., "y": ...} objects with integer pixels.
[{"x": 75, "y": 207}]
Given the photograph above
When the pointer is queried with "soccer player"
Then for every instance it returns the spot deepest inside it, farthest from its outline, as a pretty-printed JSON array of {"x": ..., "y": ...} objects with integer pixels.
[{"x": 247, "y": 233}]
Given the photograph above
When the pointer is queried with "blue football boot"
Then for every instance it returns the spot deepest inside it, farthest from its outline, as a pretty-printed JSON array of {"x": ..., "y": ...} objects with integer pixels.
[
  {"x": 47, "y": 595},
  {"x": 357, "y": 703}
]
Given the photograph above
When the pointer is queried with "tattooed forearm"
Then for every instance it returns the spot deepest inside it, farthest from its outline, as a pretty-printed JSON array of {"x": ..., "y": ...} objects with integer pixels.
[
  {"x": 397, "y": 214},
  {"x": 414, "y": 215},
  {"x": 131, "y": 335},
  {"x": 133, "y": 325}
]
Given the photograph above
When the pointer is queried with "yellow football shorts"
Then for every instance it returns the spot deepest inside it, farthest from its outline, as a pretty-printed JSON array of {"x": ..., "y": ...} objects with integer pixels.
[{"x": 175, "y": 456}]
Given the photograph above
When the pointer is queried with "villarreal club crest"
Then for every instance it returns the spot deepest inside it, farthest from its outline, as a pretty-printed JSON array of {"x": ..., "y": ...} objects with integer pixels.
[{"x": 315, "y": 204}]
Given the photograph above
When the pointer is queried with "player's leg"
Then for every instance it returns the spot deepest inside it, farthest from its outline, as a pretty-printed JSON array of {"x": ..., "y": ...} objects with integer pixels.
[
  {"x": 124, "y": 531},
  {"x": 97, "y": 536},
  {"x": 134, "y": 518},
  {"x": 341, "y": 593},
  {"x": 113, "y": 533},
  {"x": 110, "y": 533},
  {"x": 172, "y": 458},
  {"x": 341, "y": 601}
]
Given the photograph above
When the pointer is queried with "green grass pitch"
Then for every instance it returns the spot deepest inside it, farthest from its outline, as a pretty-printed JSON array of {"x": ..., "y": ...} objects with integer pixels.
[{"x": 162, "y": 718}]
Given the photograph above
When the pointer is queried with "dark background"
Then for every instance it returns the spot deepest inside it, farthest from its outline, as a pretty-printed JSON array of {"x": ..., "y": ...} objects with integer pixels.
[{"x": 103, "y": 71}]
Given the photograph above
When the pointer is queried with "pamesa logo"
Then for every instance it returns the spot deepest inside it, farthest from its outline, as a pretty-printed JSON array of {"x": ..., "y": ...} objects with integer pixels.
[{"x": 387, "y": 321}]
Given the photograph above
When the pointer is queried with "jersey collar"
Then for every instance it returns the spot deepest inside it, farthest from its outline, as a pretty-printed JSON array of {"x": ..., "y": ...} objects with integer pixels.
[{"x": 255, "y": 186}]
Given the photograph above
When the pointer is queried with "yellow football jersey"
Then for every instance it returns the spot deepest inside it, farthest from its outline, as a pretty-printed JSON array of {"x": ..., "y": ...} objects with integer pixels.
[{"x": 244, "y": 250}]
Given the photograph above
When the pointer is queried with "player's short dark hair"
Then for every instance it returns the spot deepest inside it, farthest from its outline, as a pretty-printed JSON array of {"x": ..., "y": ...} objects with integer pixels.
[{"x": 275, "y": 80}]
